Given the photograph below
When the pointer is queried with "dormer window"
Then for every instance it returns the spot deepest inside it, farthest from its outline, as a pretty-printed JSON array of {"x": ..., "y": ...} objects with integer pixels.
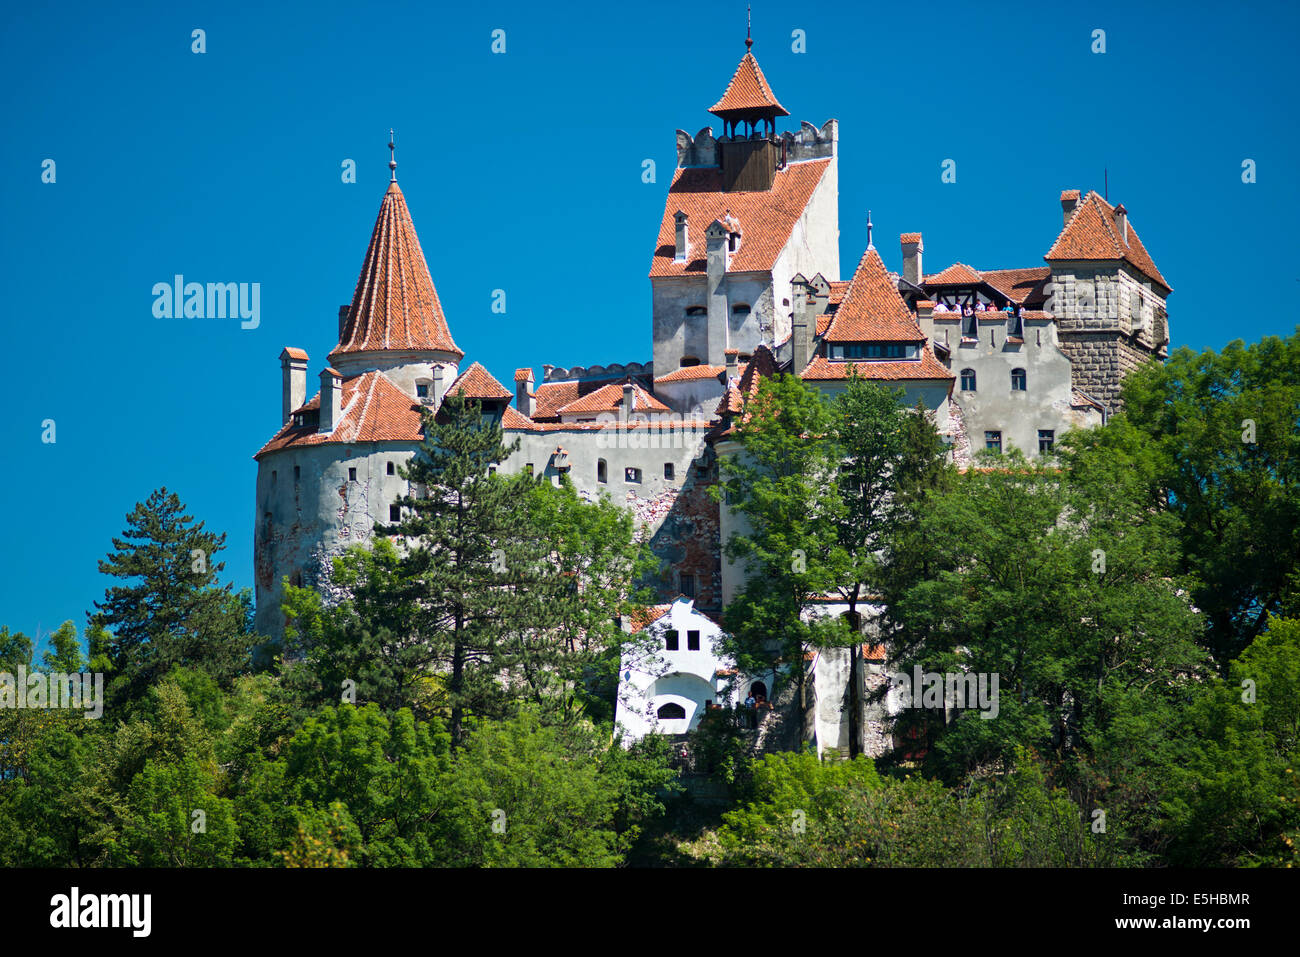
[
  {"x": 731, "y": 241},
  {"x": 422, "y": 390}
]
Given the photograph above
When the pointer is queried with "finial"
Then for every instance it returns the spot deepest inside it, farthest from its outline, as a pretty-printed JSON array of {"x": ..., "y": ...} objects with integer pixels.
[
  {"x": 392, "y": 157},
  {"x": 749, "y": 23},
  {"x": 869, "y": 245}
]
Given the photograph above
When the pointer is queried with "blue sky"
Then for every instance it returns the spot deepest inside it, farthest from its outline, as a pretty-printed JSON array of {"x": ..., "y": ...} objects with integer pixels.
[{"x": 523, "y": 172}]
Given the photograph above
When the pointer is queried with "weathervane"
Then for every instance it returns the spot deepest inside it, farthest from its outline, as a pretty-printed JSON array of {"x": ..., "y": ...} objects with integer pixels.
[
  {"x": 749, "y": 23},
  {"x": 392, "y": 156},
  {"x": 869, "y": 245}
]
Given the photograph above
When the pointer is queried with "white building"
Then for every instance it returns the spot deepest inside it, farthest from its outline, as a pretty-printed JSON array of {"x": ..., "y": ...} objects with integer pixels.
[{"x": 667, "y": 691}]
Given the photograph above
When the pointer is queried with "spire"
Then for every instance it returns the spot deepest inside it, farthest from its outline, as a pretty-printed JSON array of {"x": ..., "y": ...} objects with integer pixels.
[
  {"x": 749, "y": 22},
  {"x": 395, "y": 305},
  {"x": 869, "y": 244},
  {"x": 392, "y": 157}
]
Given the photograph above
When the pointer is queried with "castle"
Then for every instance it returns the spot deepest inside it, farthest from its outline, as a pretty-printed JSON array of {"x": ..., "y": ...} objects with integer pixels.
[{"x": 745, "y": 276}]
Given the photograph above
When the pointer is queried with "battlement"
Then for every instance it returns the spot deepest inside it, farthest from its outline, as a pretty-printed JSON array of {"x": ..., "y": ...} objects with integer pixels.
[
  {"x": 702, "y": 149},
  {"x": 615, "y": 370}
]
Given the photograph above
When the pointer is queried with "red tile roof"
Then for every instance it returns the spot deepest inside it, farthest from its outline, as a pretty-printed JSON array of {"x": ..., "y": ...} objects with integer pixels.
[
  {"x": 374, "y": 410},
  {"x": 294, "y": 353},
  {"x": 872, "y": 309},
  {"x": 512, "y": 418},
  {"x": 1020, "y": 285},
  {"x": 1092, "y": 233},
  {"x": 927, "y": 368},
  {"x": 610, "y": 398},
  {"x": 523, "y": 375},
  {"x": 909, "y": 238},
  {"x": 395, "y": 305},
  {"x": 477, "y": 383},
  {"x": 838, "y": 289},
  {"x": 550, "y": 396},
  {"x": 958, "y": 274},
  {"x": 748, "y": 90},
  {"x": 688, "y": 373},
  {"x": 769, "y": 216}
]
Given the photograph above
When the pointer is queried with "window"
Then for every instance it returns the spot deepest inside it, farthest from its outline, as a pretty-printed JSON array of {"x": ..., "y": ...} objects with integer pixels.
[
  {"x": 692, "y": 641},
  {"x": 874, "y": 350},
  {"x": 968, "y": 380},
  {"x": 632, "y": 475},
  {"x": 602, "y": 471},
  {"x": 297, "y": 472},
  {"x": 993, "y": 441},
  {"x": 731, "y": 242},
  {"x": 422, "y": 390},
  {"x": 688, "y": 361},
  {"x": 696, "y": 311},
  {"x": 352, "y": 475},
  {"x": 528, "y": 468},
  {"x": 701, "y": 471},
  {"x": 394, "y": 513},
  {"x": 670, "y": 639},
  {"x": 1046, "y": 440},
  {"x": 671, "y": 710},
  {"x": 740, "y": 309},
  {"x": 392, "y": 470},
  {"x": 688, "y": 585},
  {"x": 1017, "y": 380},
  {"x": 668, "y": 471},
  {"x": 273, "y": 476}
]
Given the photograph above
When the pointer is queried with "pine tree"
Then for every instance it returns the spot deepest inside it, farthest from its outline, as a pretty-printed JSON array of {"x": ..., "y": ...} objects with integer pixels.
[
  {"x": 468, "y": 557},
  {"x": 171, "y": 611}
]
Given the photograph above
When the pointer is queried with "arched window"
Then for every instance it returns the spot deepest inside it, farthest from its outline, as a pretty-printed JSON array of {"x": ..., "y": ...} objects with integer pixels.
[
  {"x": 671, "y": 710},
  {"x": 602, "y": 471},
  {"x": 689, "y": 361},
  {"x": 968, "y": 380},
  {"x": 740, "y": 309},
  {"x": 697, "y": 311},
  {"x": 1017, "y": 380}
]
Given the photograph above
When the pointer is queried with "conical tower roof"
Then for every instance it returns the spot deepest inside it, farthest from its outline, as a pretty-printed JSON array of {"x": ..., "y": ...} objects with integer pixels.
[
  {"x": 395, "y": 306},
  {"x": 748, "y": 93}
]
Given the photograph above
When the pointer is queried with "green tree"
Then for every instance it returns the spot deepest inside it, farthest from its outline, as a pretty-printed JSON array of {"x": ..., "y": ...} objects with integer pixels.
[
  {"x": 1223, "y": 429},
  {"x": 171, "y": 611},
  {"x": 781, "y": 484}
]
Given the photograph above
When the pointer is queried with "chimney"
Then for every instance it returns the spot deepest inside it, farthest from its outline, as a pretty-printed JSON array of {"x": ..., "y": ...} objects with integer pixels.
[
  {"x": 293, "y": 381},
  {"x": 331, "y": 399},
  {"x": 1069, "y": 201},
  {"x": 629, "y": 401},
  {"x": 343, "y": 319},
  {"x": 525, "y": 402},
  {"x": 801, "y": 330},
  {"x": 1121, "y": 223},
  {"x": 439, "y": 386},
  {"x": 925, "y": 318},
  {"x": 733, "y": 364},
  {"x": 683, "y": 236},
  {"x": 716, "y": 291},
  {"x": 912, "y": 249}
]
